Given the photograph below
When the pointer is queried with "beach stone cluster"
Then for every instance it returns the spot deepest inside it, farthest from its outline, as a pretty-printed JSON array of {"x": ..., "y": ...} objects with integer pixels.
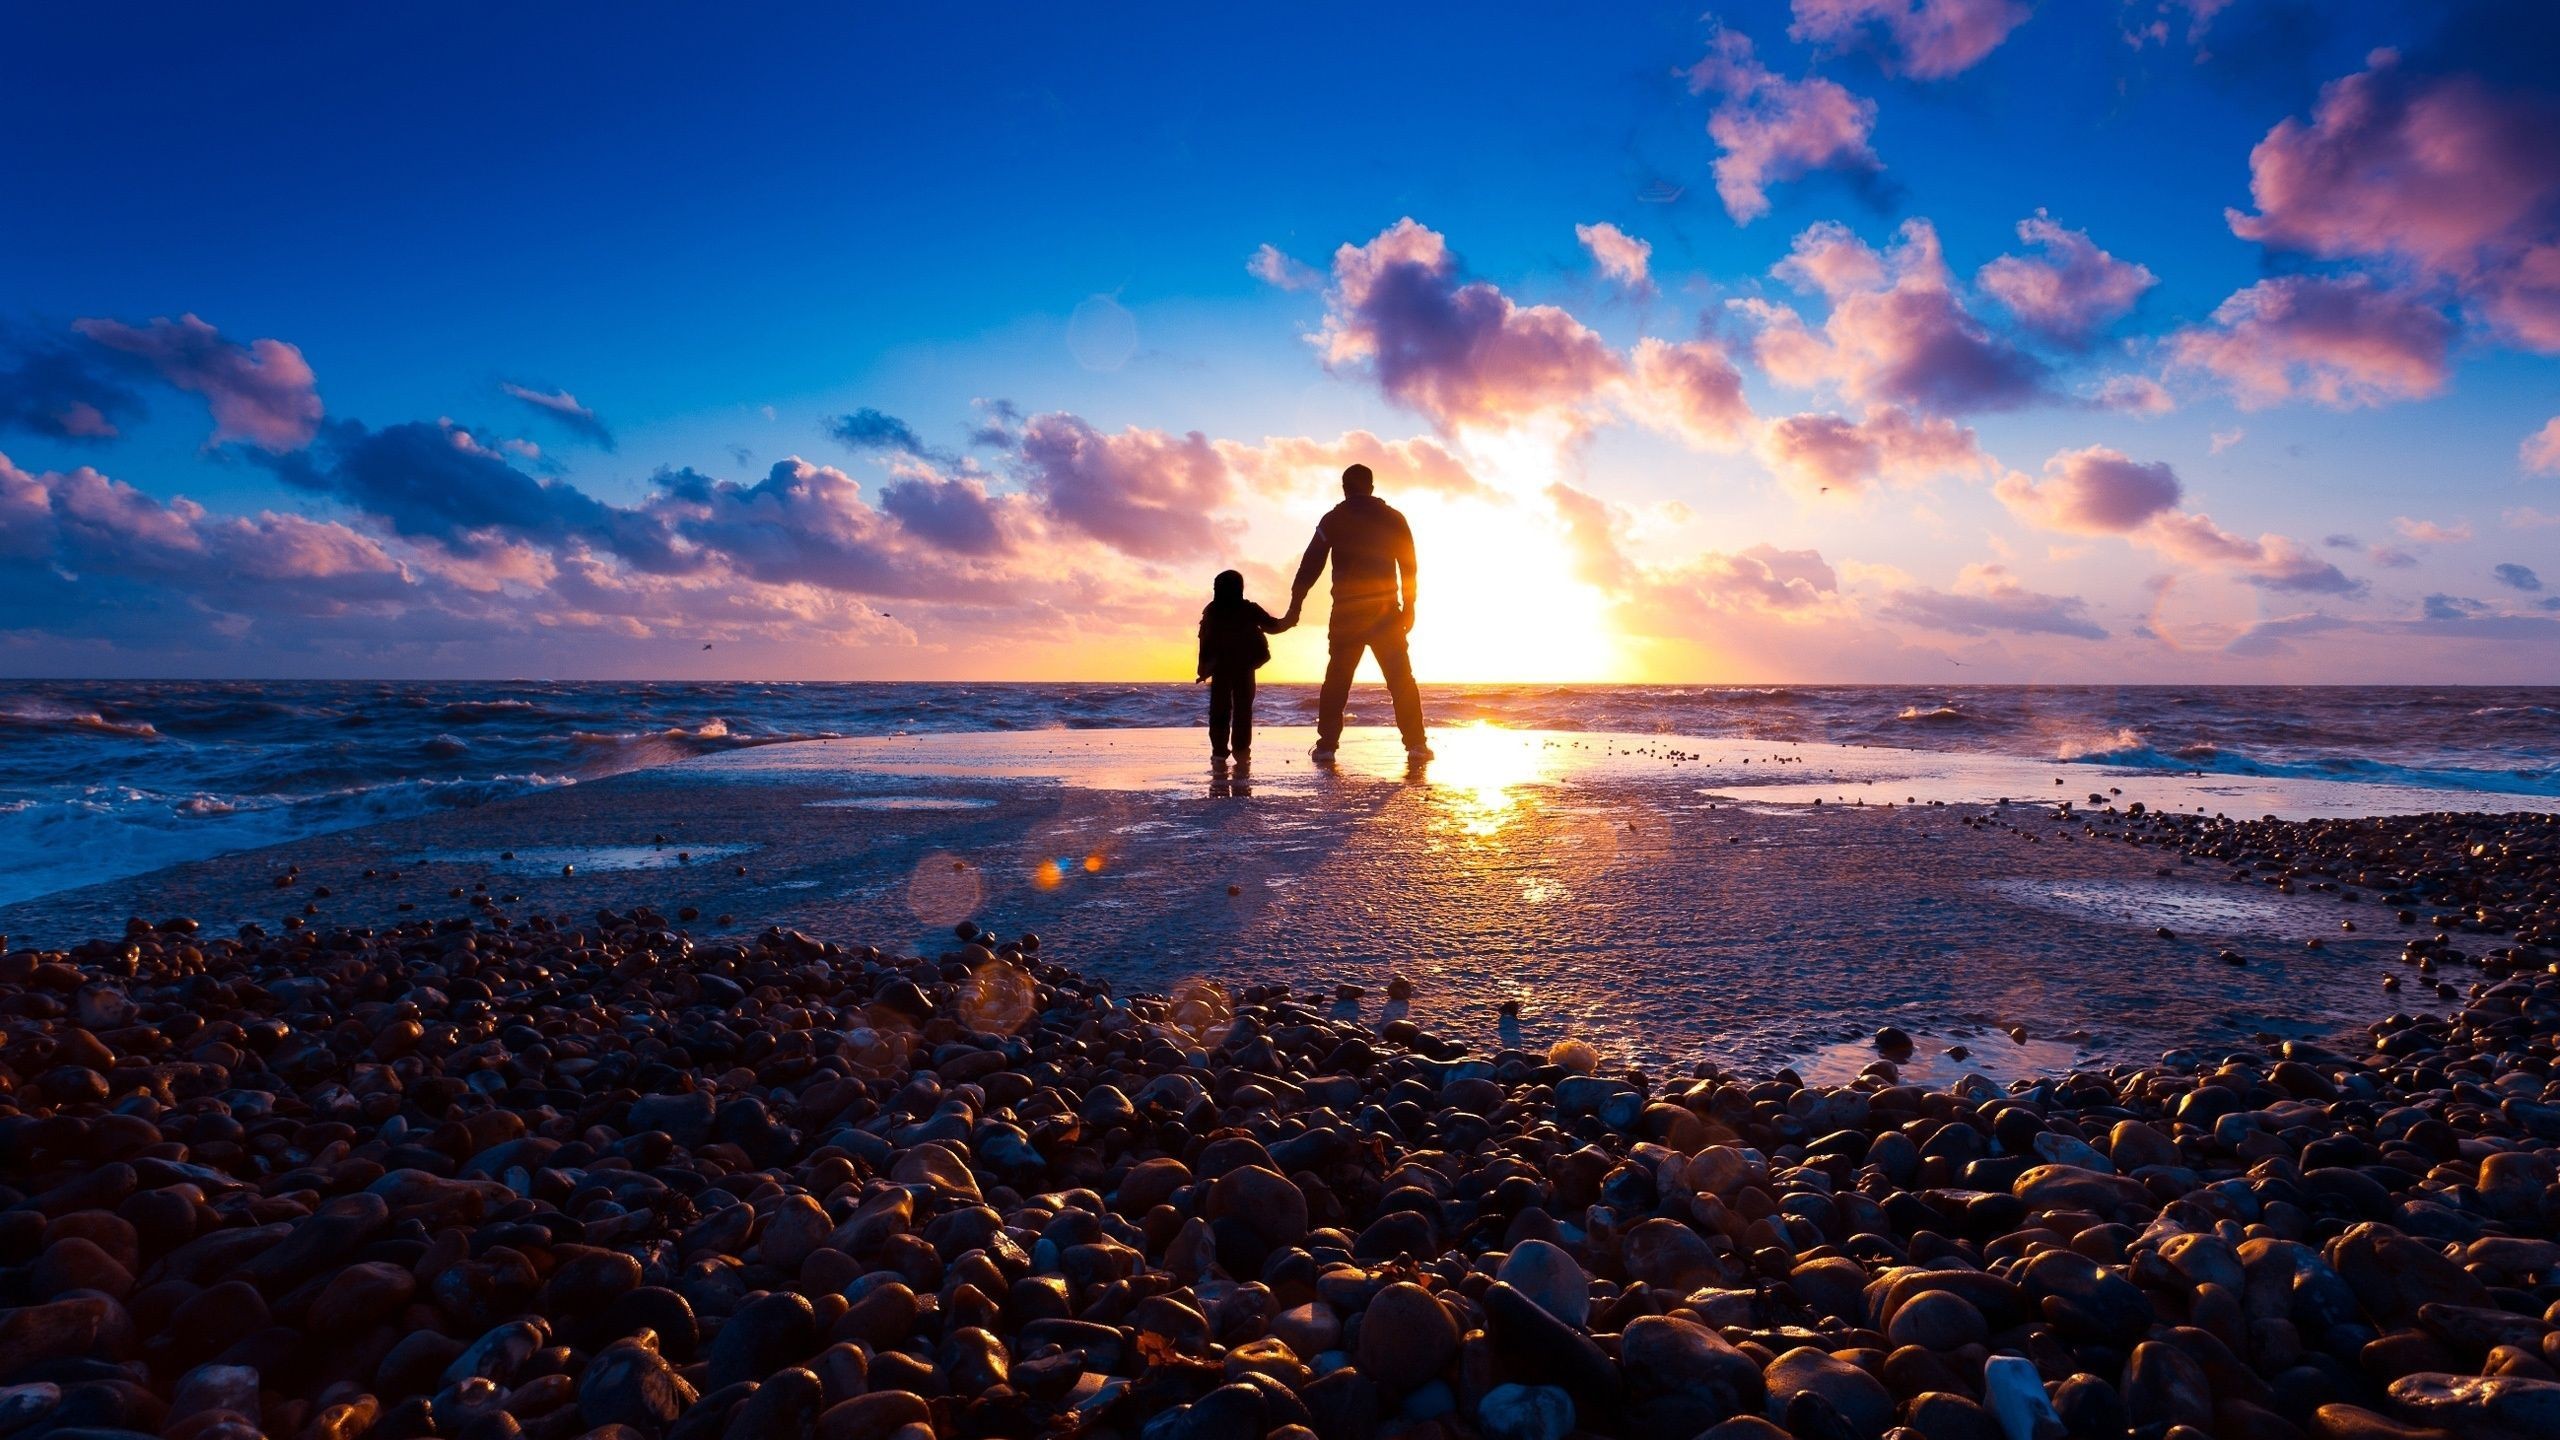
[{"x": 483, "y": 1179}]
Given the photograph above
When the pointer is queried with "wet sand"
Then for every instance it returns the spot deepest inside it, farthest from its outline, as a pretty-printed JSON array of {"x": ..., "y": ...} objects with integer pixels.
[{"x": 1671, "y": 901}]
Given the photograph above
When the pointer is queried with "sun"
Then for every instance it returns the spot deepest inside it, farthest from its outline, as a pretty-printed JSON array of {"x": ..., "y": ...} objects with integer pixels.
[{"x": 1500, "y": 603}]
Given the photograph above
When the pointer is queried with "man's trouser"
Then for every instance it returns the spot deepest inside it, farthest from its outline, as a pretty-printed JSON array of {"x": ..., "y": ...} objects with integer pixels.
[{"x": 1381, "y": 633}]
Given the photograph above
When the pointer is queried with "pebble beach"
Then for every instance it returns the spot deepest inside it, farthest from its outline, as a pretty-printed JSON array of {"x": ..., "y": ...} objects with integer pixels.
[{"x": 498, "y": 1174}]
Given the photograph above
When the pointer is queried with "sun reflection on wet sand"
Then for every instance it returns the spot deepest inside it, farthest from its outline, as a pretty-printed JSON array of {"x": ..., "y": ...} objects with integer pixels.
[{"x": 1482, "y": 775}]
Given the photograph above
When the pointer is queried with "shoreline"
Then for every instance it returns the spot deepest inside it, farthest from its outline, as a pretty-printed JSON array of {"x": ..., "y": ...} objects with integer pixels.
[
  {"x": 1547, "y": 873},
  {"x": 602, "y": 1175}
]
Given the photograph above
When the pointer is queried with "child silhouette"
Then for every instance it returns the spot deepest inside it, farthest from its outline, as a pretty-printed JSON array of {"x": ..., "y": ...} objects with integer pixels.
[{"x": 1232, "y": 647}]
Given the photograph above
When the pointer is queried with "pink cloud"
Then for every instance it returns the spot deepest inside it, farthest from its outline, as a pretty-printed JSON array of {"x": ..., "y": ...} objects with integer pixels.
[
  {"x": 2445, "y": 175},
  {"x": 1620, "y": 256},
  {"x": 2343, "y": 342},
  {"x": 2540, "y": 452},
  {"x": 1987, "y": 598},
  {"x": 2135, "y": 395},
  {"x": 1816, "y": 452},
  {"x": 2094, "y": 491},
  {"x": 1143, "y": 492},
  {"x": 2275, "y": 561},
  {"x": 1281, "y": 271},
  {"x": 1772, "y": 129},
  {"x": 1679, "y": 600},
  {"x": 1459, "y": 352},
  {"x": 1896, "y": 332},
  {"x": 2072, "y": 290},
  {"x": 1691, "y": 390},
  {"x": 262, "y": 392},
  {"x": 2428, "y": 532},
  {"x": 1924, "y": 39},
  {"x": 1297, "y": 465}
]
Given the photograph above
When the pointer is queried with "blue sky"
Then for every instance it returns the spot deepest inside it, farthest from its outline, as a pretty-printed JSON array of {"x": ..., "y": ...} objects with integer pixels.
[{"x": 718, "y": 232}]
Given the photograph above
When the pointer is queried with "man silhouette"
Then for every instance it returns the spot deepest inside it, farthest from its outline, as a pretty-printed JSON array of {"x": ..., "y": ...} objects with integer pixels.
[{"x": 1374, "y": 586}]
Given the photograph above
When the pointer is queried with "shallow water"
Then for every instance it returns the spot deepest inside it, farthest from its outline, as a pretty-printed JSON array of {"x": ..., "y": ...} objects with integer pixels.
[{"x": 106, "y": 779}]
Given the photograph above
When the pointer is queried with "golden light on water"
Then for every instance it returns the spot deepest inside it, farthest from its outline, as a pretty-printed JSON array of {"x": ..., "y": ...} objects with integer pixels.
[{"x": 1482, "y": 772}]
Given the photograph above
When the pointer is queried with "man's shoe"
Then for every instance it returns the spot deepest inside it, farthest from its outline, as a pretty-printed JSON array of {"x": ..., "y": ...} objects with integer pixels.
[
  {"x": 1322, "y": 754},
  {"x": 1416, "y": 754}
]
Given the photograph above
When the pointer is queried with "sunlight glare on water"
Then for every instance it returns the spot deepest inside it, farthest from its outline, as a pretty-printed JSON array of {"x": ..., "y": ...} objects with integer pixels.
[{"x": 1481, "y": 773}]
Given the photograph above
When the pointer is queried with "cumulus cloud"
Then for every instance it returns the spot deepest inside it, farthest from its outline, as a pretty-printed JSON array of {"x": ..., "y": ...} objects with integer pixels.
[
  {"x": 1620, "y": 256},
  {"x": 1924, "y": 39},
  {"x": 1680, "y": 600},
  {"x": 2540, "y": 452},
  {"x": 1300, "y": 465},
  {"x": 1896, "y": 331},
  {"x": 1690, "y": 389},
  {"x": 1988, "y": 598},
  {"x": 2428, "y": 532},
  {"x": 1818, "y": 452},
  {"x": 1772, "y": 129},
  {"x": 2341, "y": 341},
  {"x": 2516, "y": 577},
  {"x": 954, "y": 513},
  {"x": 1143, "y": 492},
  {"x": 1272, "y": 267},
  {"x": 867, "y": 431},
  {"x": 561, "y": 406},
  {"x": 2100, "y": 491},
  {"x": 1457, "y": 351},
  {"x": 2093, "y": 491},
  {"x": 2445, "y": 175},
  {"x": 2135, "y": 395},
  {"x": 55, "y": 390},
  {"x": 2274, "y": 562},
  {"x": 262, "y": 392},
  {"x": 2069, "y": 292},
  {"x": 440, "y": 483}
]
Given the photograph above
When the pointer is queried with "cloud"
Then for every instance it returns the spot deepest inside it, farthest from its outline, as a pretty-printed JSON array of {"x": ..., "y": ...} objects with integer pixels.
[
  {"x": 1620, "y": 256},
  {"x": 102, "y": 548},
  {"x": 2540, "y": 452},
  {"x": 2343, "y": 342},
  {"x": 2070, "y": 292},
  {"x": 52, "y": 389},
  {"x": 1690, "y": 390},
  {"x": 439, "y": 483},
  {"x": 2273, "y": 562},
  {"x": 1772, "y": 129},
  {"x": 805, "y": 523},
  {"x": 563, "y": 407},
  {"x": 1988, "y": 598},
  {"x": 2451, "y": 607},
  {"x": 1680, "y": 601},
  {"x": 2428, "y": 532},
  {"x": 1458, "y": 352},
  {"x": 2224, "y": 439},
  {"x": 954, "y": 514},
  {"x": 2445, "y": 175},
  {"x": 2092, "y": 491},
  {"x": 1143, "y": 492},
  {"x": 1924, "y": 39},
  {"x": 262, "y": 392},
  {"x": 867, "y": 431},
  {"x": 1294, "y": 466},
  {"x": 2392, "y": 557},
  {"x": 1816, "y": 452},
  {"x": 1270, "y": 266},
  {"x": 1896, "y": 331},
  {"x": 2135, "y": 395},
  {"x": 2516, "y": 577}
]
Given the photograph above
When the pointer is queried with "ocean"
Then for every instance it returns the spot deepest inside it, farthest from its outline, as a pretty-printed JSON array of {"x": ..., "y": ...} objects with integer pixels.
[{"x": 101, "y": 780}]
